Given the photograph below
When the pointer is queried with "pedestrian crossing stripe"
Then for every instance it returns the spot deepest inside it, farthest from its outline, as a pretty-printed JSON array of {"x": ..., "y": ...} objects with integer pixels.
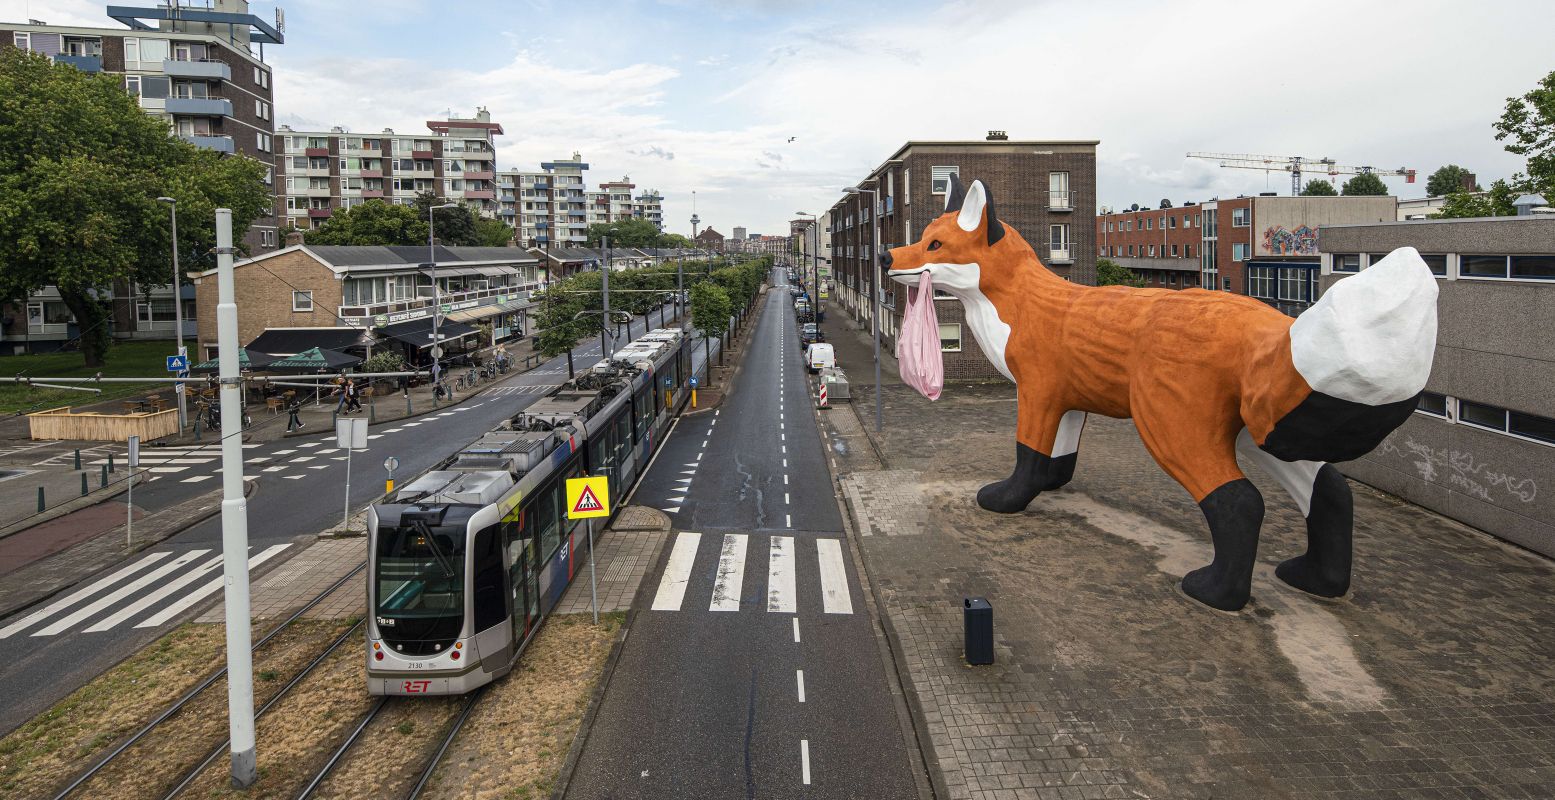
[{"x": 783, "y": 558}]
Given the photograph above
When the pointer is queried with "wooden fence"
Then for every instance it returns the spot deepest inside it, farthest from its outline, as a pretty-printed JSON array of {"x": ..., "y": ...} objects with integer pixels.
[{"x": 59, "y": 423}]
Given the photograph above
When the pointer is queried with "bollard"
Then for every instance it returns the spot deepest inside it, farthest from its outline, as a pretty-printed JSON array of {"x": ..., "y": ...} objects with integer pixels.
[
  {"x": 372, "y": 412},
  {"x": 83, "y": 484},
  {"x": 407, "y": 403},
  {"x": 334, "y": 419},
  {"x": 197, "y": 426},
  {"x": 40, "y": 500},
  {"x": 104, "y": 481},
  {"x": 977, "y": 628},
  {"x": 78, "y": 458},
  {"x": 110, "y": 462}
]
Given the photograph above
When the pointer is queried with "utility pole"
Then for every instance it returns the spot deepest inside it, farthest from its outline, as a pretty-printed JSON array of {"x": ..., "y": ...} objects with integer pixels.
[
  {"x": 178, "y": 318},
  {"x": 604, "y": 319},
  {"x": 234, "y": 519}
]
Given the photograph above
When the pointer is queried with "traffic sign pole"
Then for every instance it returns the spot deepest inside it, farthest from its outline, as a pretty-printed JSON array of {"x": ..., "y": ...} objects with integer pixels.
[
  {"x": 593, "y": 586},
  {"x": 588, "y": 498}
]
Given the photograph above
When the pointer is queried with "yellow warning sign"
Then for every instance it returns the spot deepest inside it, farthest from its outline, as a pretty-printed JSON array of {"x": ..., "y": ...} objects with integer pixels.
[{"x": 588, "y": 497}]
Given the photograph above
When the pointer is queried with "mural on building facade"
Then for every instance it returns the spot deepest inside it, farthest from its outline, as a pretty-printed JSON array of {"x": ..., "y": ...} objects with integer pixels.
[{"x": 1280, "y": 241}]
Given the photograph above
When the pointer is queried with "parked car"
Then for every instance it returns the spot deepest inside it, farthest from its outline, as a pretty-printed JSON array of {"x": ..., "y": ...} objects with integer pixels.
[
  {"x": 819, "y": 356},
  {"x": 810, "y": 333}
]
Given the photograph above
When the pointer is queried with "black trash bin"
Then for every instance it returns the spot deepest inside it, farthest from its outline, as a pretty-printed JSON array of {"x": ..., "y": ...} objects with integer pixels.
[{"x": 978, "y": 623}]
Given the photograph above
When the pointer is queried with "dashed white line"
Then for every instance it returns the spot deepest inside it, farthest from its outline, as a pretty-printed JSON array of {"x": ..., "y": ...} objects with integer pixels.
[
  {"x": 799, "y": 679},
  {"x": 804, "y": 760},
  {"x": 197, "y": 478},
  {"x": 785, "y": 498},
  {"x": 796, "y": 630},
  {"x": 788, "y": 521}
]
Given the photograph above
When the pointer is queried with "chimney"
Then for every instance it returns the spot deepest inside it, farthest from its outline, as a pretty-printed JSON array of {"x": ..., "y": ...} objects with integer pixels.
[
  {"x": 998, "y": 136},
  {"x": 293, "y": 238}
]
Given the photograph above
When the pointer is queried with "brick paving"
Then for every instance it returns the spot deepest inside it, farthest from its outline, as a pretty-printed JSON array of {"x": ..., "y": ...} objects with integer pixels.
[
  {"x": 1433, "y": 679},
  {"x": 288, "y": 587},
  {"x": 624, "y": 558}
]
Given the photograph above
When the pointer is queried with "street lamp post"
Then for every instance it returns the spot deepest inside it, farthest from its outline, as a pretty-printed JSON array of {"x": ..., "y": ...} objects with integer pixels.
[
  {"x": 815, "y": 257},
  {"x": 437, "y": 296},
  {"x": 178, "y": 314},
  {"x": 874, "y": 285}
]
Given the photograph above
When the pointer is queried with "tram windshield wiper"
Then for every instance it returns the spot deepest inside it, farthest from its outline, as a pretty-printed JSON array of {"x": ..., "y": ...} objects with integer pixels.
[{"x": 421, "y": 527}]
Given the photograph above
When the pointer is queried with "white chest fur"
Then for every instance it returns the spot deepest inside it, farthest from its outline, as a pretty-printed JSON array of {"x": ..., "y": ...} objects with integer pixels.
[{"x": 992, "y": 334}]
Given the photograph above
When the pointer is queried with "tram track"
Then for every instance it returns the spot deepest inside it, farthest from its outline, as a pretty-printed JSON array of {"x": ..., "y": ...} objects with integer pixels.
[
  {"x": 359, "y": 736},
  {"x": 172, "y": 711}
]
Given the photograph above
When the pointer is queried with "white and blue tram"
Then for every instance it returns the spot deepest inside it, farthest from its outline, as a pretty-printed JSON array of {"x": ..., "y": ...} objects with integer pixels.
[{"x": 468, "y": 558}]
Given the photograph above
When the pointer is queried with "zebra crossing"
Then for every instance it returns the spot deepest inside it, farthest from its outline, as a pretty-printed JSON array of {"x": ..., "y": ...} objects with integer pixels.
[
  {"x": 535, "y": 389},
  {"x": 173, "y": 580},
  {"x": 784, "y": 558}
]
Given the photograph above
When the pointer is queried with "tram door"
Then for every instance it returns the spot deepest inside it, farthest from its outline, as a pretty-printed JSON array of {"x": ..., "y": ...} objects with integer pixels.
[{"x": 523, "y": 573}]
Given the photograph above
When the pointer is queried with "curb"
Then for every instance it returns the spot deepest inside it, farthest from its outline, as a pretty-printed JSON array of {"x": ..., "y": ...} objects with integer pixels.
[
  {"x": 92, "y": 498},
  {"x": 586, "y": 725}
]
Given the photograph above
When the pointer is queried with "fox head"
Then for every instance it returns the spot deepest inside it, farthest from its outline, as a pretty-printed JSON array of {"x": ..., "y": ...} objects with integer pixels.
[{"x": 966, "y": 246}]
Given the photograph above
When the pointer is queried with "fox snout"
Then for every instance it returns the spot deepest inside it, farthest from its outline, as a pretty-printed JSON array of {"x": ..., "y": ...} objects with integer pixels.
[{"x": 885, "y": 259}]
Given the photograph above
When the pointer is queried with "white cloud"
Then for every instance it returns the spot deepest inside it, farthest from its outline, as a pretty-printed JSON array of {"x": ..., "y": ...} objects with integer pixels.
[{"x": 81, "y": 13}]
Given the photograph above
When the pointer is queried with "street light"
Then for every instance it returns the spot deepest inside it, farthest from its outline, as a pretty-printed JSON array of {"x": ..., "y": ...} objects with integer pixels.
[
  {"x": 437, "y": 297},
  {"x": 815, "y": 257},
  {"x": 874, "y": 285},
  {"x": 178, "y": 314}
]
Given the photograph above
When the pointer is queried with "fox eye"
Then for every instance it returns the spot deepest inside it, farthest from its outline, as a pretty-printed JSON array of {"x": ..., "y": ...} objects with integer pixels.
[{"x": 934, "y": 245}]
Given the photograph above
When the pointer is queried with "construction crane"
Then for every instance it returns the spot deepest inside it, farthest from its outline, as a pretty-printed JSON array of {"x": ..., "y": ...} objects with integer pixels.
[{"x": 1295, "y": 164}]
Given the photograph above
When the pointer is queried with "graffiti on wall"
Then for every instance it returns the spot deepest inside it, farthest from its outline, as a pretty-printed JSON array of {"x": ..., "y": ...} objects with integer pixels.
[
  {"x": 1280, "y": 241},
  {"x": 1460, "y": 470}
]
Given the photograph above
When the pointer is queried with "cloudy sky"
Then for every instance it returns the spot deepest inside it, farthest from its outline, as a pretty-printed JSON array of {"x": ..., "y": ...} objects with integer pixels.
[{"x": 687, "y": 95}]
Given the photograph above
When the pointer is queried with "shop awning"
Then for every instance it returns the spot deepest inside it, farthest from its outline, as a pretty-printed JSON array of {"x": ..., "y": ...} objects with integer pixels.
[
  {"x": 247, "y": 359},
  {"x": 482, "y": 312},
  {"x": 291, "y": 341},
  {"x": 312, "y": 360},
  {"x": 418, "y": 332}
]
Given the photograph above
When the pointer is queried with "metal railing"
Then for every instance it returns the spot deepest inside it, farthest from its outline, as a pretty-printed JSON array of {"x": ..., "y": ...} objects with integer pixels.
[{"x": 1060, "y": 200}]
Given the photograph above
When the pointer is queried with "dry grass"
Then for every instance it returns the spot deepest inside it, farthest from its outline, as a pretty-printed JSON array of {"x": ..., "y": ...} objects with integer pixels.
[
  {"x": 389, "y": 757},
  {"x": 56, "y": 745},
  {"x": 517, "y": 738}
]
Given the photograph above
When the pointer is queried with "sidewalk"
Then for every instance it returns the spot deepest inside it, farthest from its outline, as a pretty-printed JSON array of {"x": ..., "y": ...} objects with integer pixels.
[{"x": 1431, "y": 680}]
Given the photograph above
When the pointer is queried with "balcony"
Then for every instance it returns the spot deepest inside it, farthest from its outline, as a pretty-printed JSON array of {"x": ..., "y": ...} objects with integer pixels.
[
  {"x": 422, "y": 155},
  {"x": 370, "y": 173},
  {"x": 542, "y": 186},
  {"x": 414, "y": 307},
  {"x": 1060, "y": 201},
  {"x": 200, "y": 106},
  {"x": 83, "y": 63},
  {"x": 317, "y": 191},
  {"x": 209, "y": 70},
  {"x": 320, "y": 213},
  {"x": 478, "y": 155},
  {"x": 1060, "y": 253},
  {"x": 221, "y": 144},
  {"x": 479, "y": 175},
  {"x": 480, "y": 194},
  {"x": 368, "y": 193},
  {"x": 508, "y": 212},
  {"x": 542, "y": 225},
  {"x": 316, "y": 152}
]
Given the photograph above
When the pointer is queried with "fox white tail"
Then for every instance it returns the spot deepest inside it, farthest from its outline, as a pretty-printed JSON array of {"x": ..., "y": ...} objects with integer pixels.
[{"x": 1371, "y": 337}]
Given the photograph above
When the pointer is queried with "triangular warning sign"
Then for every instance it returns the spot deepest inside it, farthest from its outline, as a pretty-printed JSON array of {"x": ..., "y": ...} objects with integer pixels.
[{"x": 587, "y": 502}]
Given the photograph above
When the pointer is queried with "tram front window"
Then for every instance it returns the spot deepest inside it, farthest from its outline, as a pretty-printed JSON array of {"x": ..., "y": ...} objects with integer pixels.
[{"x": 420, "y": 587}]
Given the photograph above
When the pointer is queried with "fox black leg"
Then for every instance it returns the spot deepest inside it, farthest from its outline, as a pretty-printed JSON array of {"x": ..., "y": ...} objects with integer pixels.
[
  {"x": 1034, "y": 473},
  {"x": 1324, "y": 570},
  {"x": 1235, "y": 515}
]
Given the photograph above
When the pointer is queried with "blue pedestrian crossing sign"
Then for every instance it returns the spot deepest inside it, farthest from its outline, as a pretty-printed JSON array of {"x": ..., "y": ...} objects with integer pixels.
[
  {"x": 177, "y": 363},
  {"x": 668, "y": 381},
  {"x": 693, "y": 382}
]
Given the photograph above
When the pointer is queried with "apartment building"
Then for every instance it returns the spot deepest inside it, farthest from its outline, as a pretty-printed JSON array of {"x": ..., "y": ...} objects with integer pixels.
[
  {"x": 1481, "y": 446},
  {"x": 1044, "y": 189},
  {"x": 1265, "y": 246},
  {"x": 321, "y": 172},
  {"x": 549, "y": 207},
  {"x": 649, "y": 205},
  {"x": 814, "y": 248},
  {"x": 203, "y": 72}
]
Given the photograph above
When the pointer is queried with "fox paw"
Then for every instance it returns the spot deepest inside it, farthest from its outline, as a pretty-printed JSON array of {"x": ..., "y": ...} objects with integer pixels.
[
  {"x": 1205, "y": 586},
  {"x": 1304, "y": 573},
  {"x": 1004, "y": 498}
]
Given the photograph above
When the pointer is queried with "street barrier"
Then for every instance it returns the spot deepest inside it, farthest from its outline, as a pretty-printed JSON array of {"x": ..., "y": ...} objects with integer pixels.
[{"x": 977, "y": 629}]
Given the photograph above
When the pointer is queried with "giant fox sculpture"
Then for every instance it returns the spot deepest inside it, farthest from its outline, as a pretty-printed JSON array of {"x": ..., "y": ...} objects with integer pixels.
[{"x": 1204, "y": 374}]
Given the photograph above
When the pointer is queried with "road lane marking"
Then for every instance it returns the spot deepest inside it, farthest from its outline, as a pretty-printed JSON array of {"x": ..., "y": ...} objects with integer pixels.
[
  {"x": 699, "y": 456},
  {"x": 780, "y": 576},
  {"x": 835, "y": 597},
  {"x": 61, "y": 605},
  {"x": 804, "y": 760},
  {"x": 785, "y": 479},
  {"x": 310, "y": 444},
  {"x": 785, "y": 463},
  {"x": 318, "y": 466},
  {"x": 788, "y": 521},
  {"x": 294, "y": 477},
  {"x": 785, "y": 451},
  {"x": 157, "y": 596},
  {"x": 208, "y": 589},
  {"x": 301, "y": 459},
  {"x": 276, "y": 468},
  {"x": 785, "y": 498},
  {"x": 197, "y": 478},
  {"x": 799, "y": 678},
  {"x": 167, "y": 469},
  {"x": 677, "y": 573},
  {"x": 704, "y": 442},
  {"x": 731, "y": 573},
  {"x": 119, "y": 594},
  {"x": 796, "y": 630}
]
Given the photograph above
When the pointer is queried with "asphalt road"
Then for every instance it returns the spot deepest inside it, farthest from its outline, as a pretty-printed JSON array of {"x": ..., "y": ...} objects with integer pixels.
[
  {"x": 301, "y": 491},
  {"x": 751, "y": 668}
]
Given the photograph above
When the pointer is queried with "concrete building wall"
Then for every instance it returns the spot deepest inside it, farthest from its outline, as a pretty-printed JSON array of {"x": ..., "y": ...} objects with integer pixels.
[{"x": 1495, "y": 347}]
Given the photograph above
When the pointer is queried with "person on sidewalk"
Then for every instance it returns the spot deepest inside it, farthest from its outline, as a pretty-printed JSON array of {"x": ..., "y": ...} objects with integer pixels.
[
  {"x": 353, "y": 395},
  {"x": 293, "y": 421}
]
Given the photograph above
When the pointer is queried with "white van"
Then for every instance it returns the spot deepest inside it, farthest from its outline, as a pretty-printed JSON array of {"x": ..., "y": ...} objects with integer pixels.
[{"x": 820, "y": 356}]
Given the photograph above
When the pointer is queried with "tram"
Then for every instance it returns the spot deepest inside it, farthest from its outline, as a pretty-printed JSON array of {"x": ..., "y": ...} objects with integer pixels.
[{"x": 468, "y": 558}]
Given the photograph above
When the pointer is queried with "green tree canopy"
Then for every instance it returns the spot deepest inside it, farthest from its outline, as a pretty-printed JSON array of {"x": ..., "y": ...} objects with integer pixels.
[
  {"x": 675, "y": 240},
  {"x": 1446, "y": 180},
  {"x": 1529, "y": 122},
  {"x": 453, "y": 227},
  {"x": 1495, "y": 203},
  {"x": 1366, "y": 183},
  {"x": 710, "y": 308},
  {"x": 1111, "y": 273},
  {"x": 374, "y": 222},
  {"x": 81, "y": 168},
  {"x": 624, "y": 233},
  {"x": 492, "y": 232},
  {"x": 1318, "y": 188}
]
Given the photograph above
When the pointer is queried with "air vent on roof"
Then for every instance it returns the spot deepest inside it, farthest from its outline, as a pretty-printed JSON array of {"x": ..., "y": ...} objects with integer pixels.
[{"x": 998, "y": 136}]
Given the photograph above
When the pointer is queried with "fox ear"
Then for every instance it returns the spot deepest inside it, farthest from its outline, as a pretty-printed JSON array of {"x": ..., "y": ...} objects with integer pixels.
[
  {"x": 955, "y": 195},
  {"x": 978, "y": 201}
]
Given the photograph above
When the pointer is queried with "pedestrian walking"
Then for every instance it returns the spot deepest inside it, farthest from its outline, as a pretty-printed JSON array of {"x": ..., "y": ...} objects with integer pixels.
[
  {"x": 293, "y": 420},
  {"x": 353, "y": 396}
]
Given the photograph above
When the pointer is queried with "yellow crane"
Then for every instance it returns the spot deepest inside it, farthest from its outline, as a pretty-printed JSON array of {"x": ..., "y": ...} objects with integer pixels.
[{"x": 1295, "y": 164}]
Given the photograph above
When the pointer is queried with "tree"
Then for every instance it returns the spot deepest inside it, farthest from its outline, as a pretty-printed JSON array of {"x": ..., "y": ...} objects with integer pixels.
[
  {"x": 674, "y": 240},
  {"x": 1366, "y": 183},
  {"x": 452, "y": 226},
  {"x": 1495, "y": 203},
  {"x": 1446, "y": 180},
  {"x": 1111, "y": 273},
  {"x": 374, "y": 222},
  {"x": 492, "y": 232},
  {"x": 1318, "y": 188},
  {"x": 710, "y": 308},
  {"x": 624, "y": 233},
  {"x": 81, "y": 168},
  {"x": 1529, "y": 121}
]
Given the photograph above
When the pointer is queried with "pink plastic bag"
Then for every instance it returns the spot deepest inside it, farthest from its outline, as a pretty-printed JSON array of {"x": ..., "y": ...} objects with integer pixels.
[{"x": 917, "y": 344}]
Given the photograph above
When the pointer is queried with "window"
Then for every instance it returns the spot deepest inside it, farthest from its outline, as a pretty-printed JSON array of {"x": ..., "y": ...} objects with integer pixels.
[
  {"x": 267, "y": 238},
  {"x": 906, "y": 187},
  {"x": 1149, "y": 223},
  {"x": 949, "y": 337},
  {"x": 1058, "y": 190},
  {"x": 1241, "y": 217},
  {"x": 1533, "y": 427},
  {"x": 261, "y": 78},
  {"x": 158, "y": 310},
  {"x": 1482, "y": 266},
  {"x": 132, "y": 84},
  {"x": 1239, "y": 251},
  {"x": 155, "y": 88},
  {"x": 302, "y": 300},
  {"x": 1128, "y": 225},
  {"x": 939, "y": 178},
  {"x": 1260, "y": 282},
  {"x": 1293, "y": 284},
  {"x": 1169, "y": 222},
  {"x": 1534, "y": 267},
  {"x": 23, "y": 41},
  {"x": 1131, "y": 250},
  {"x": 1152, "y": 251},
  {"x": 1187, "y": 251},
  {"x": 1347, "y": 262},
  {"x": 1433, "y": 404},
  {"x": 1058, "y": 241},
  {"x": 1437, "y": 263},
  {"x": 1187, "y": 221},
  {"x": 1174, "y": 251},
  {"x": 1484, "y": 416}
]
